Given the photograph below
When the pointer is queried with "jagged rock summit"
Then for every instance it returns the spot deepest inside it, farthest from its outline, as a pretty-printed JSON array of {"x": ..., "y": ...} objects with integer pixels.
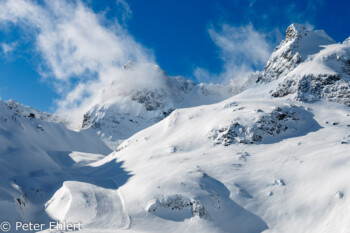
[
  {"x": 308, "y": 66},
  {"x": 300, "y": 42}
]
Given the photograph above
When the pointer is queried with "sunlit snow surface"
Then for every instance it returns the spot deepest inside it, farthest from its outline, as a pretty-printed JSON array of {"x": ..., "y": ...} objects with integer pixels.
[{"x": 256, "y": 162}]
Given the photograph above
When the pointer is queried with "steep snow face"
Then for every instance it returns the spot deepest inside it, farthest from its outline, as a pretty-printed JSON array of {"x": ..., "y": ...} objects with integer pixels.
[{"x": 125, "y": 111}]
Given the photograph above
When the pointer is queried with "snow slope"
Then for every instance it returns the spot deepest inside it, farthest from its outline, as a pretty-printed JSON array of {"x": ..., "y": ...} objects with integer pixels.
[
  {"x": 255, "y": 162},
  {"x": 183, "y": 181}
]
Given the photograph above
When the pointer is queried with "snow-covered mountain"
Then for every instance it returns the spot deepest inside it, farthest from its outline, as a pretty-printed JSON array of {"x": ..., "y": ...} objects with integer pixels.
[
  {"x": 273, "y": 158},
  {"x": 129, "y": 110}
]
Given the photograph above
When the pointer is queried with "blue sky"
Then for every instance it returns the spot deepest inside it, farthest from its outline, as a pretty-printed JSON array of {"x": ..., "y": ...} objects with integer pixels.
[{"x": 188, "y": 38}]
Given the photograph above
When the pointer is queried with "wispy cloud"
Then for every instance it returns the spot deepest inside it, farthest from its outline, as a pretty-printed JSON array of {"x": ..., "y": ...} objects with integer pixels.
[
  {"x": 243, "y": 50},
  {"x": 125, "y": 10},
  {"x": 241, "y": 45},
  {"x": 80, "y": 53},
  {"x": 71, "y": 37}
]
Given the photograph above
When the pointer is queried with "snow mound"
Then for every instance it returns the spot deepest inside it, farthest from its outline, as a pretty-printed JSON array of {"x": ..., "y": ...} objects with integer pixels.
[
  {"x": 224, "y": 212},
  {"x": 212, "y": 203},
  {"x": 89, "y": 204}
]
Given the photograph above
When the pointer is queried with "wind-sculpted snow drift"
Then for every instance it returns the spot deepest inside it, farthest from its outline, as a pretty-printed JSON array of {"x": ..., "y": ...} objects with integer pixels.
[{"x": 273, "y": 158}]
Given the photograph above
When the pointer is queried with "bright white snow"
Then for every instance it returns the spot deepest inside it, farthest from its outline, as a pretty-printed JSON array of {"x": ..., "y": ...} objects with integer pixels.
[{"x": 274, "y": 158}]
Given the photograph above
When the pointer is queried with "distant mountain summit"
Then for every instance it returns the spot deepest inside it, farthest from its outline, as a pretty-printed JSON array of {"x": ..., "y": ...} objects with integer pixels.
[{"x": 132, "y": 109}]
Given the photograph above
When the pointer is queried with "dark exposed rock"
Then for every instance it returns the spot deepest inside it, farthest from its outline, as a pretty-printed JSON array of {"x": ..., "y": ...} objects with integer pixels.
[
  {"x": 150, "y": 99},
  {"x": 179, "y": 203},
  {"x": 268, "y": 128},
  {"x": 310, "y": 88}
]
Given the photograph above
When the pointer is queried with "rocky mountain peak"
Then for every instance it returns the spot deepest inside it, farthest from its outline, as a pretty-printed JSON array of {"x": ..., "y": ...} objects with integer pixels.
[
  {"x": 300, "y": 43},
  {"x": 308, "y": 66},
  {"x": 295, "y": 31}
]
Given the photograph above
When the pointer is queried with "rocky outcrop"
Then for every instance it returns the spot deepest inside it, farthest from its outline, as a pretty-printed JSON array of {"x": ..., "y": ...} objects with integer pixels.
[{"x": 282, "y": 122}]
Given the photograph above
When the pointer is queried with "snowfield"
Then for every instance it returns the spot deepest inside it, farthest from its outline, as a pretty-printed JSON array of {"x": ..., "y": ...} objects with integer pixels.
[
  {"x": 273, "y": 158},
  {"x": 278, "y": 186}
]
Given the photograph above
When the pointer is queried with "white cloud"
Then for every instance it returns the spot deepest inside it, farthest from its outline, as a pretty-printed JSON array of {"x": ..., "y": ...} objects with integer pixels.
[
  {"x": 81, "y": 54},
  {"x": 115, "y": 87},
  {"x": 241, "y": 45},
  {"x": 243, "y": 50},
  {"x": 72, "y": 38},
  {"x": 8, "y": 47}
]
